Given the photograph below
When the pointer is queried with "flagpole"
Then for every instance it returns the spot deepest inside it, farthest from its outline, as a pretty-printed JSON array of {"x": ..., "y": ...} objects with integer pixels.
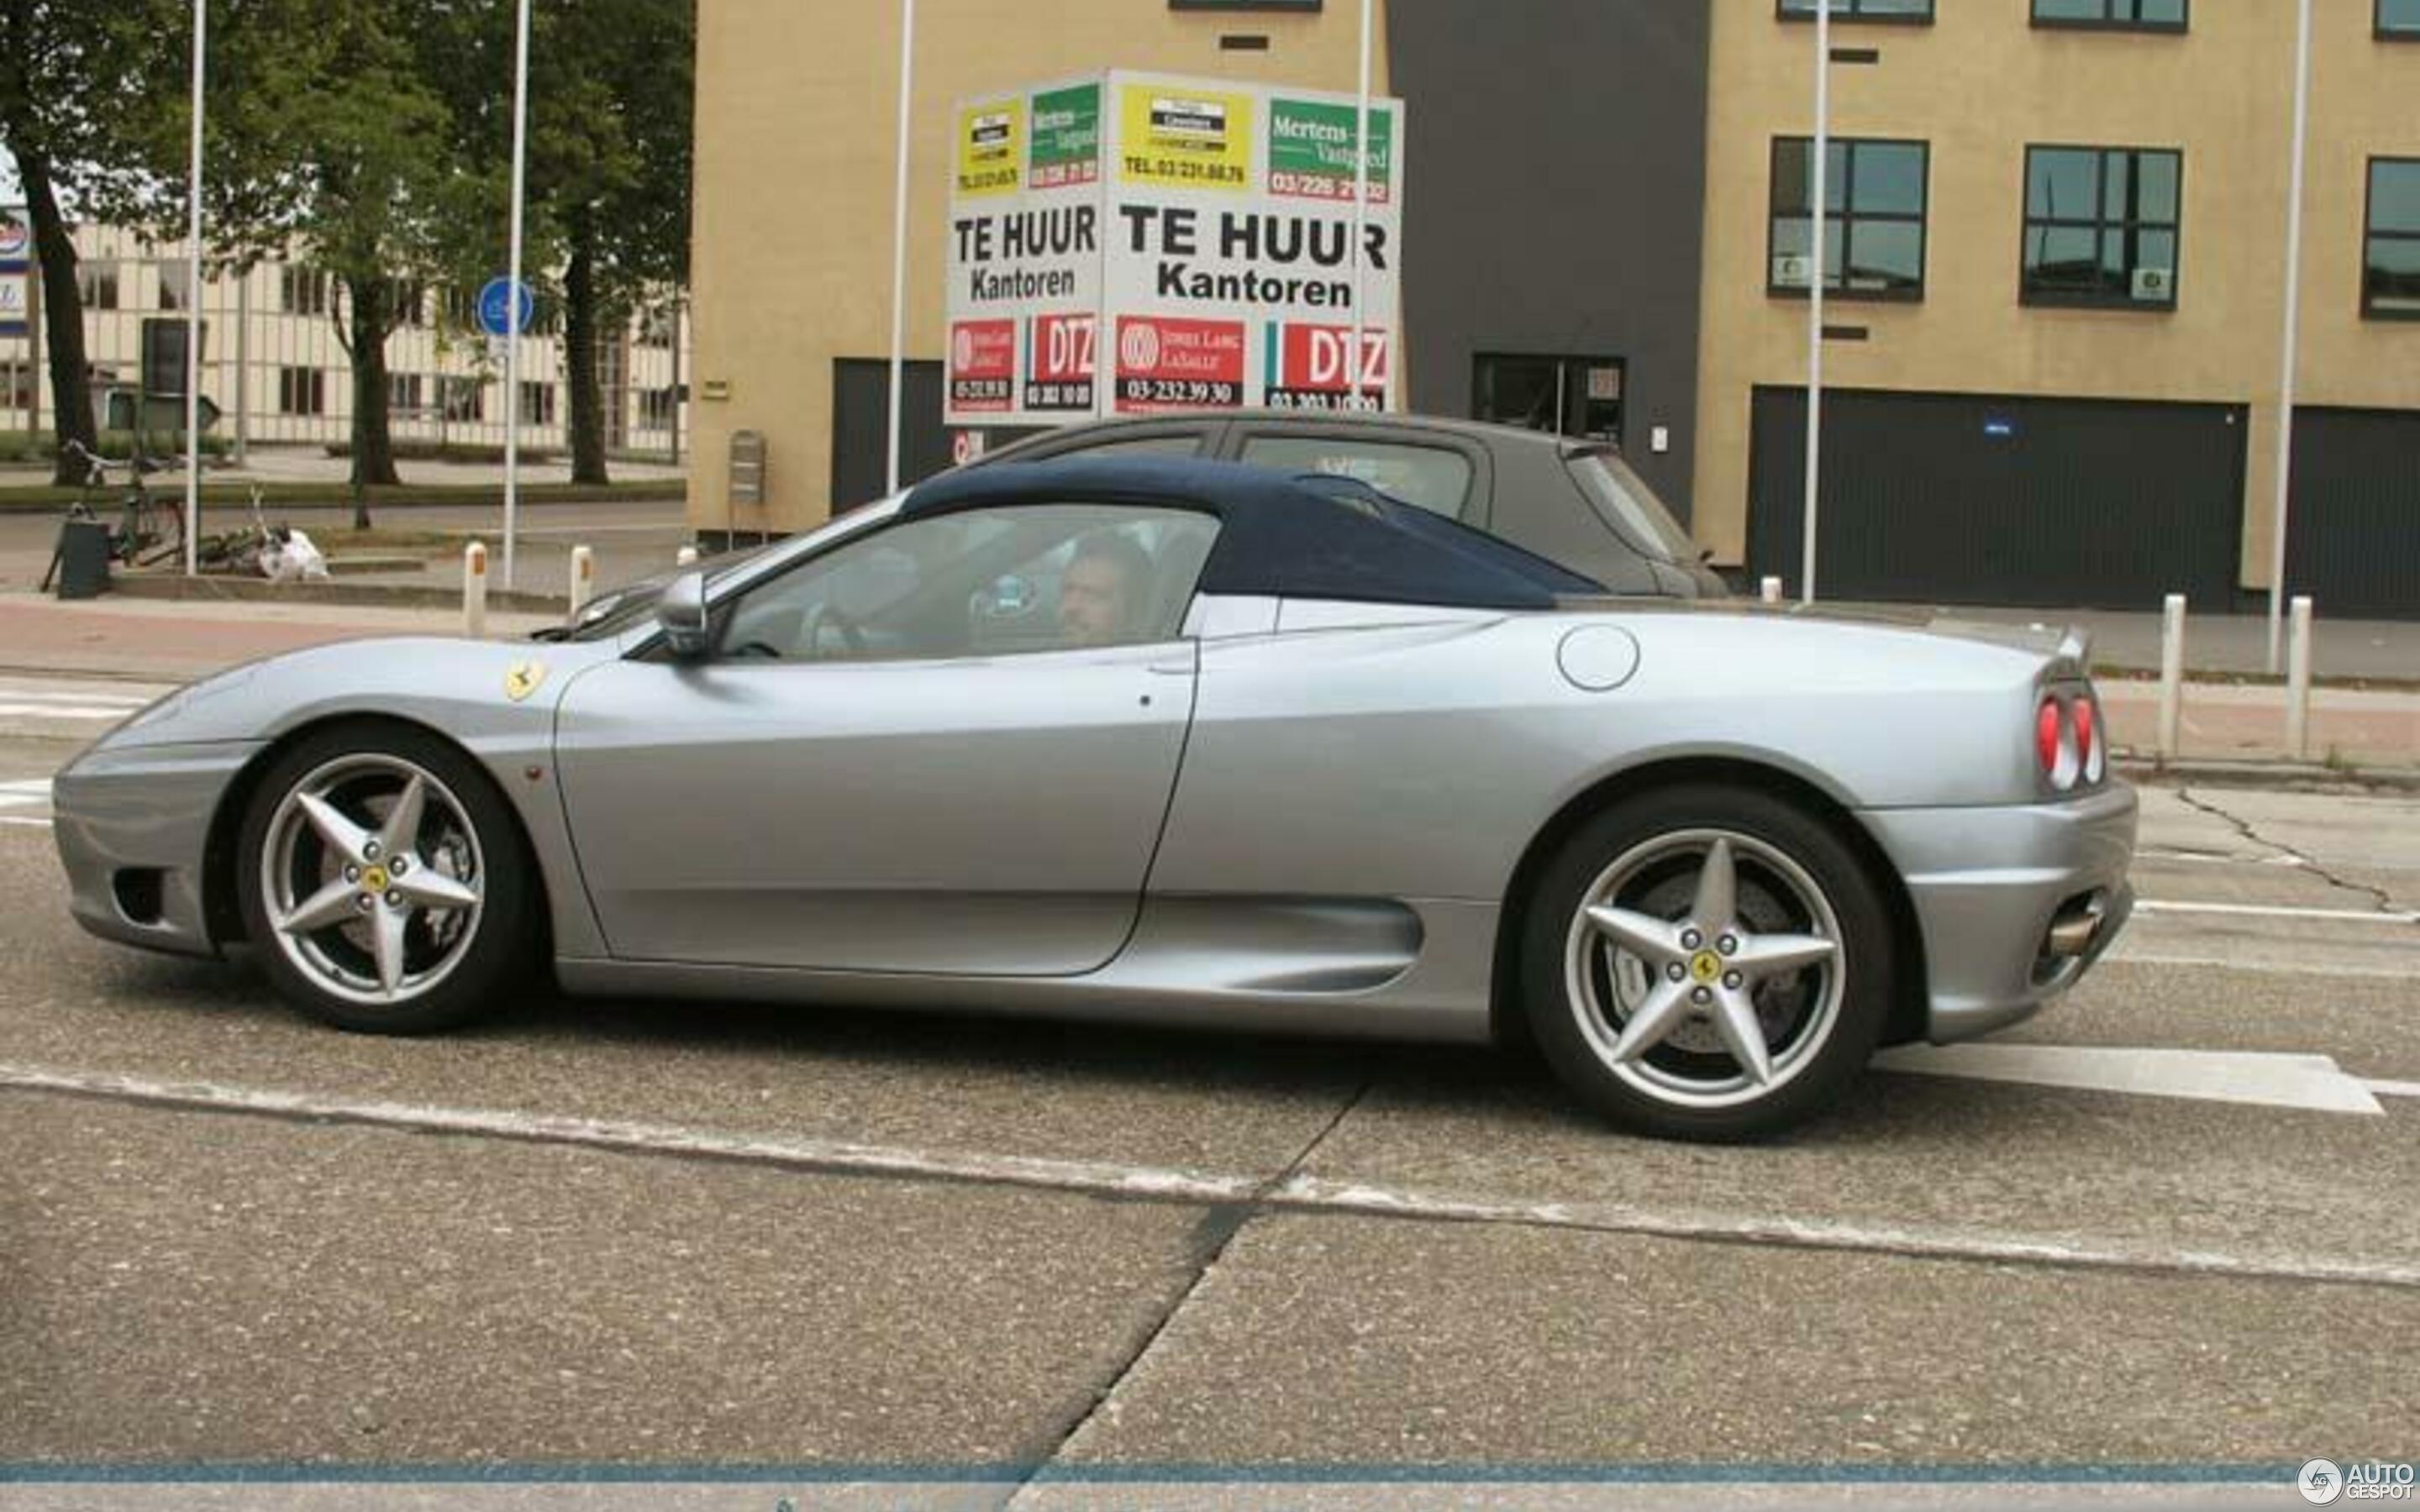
[
  {"x": 899, "y": 248},
  {"x": 513, "y": 292}
]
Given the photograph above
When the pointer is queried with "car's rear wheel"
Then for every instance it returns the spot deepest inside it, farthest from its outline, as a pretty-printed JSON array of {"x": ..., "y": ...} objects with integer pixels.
[
  {"x": 383, "y": 883},
  {"x": 1707, "y": 962}
]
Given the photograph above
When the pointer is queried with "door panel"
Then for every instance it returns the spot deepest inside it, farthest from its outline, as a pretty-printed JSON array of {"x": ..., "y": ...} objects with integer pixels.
[{"x": 976, "y": 816}]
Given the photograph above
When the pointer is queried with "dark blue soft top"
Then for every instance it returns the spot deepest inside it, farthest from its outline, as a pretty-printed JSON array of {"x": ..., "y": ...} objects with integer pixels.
[{"x": 1291, "y": 535}]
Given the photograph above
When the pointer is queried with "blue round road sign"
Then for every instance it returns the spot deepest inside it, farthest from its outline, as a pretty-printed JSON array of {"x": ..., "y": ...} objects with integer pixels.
[{"x": 501, "y": 313}]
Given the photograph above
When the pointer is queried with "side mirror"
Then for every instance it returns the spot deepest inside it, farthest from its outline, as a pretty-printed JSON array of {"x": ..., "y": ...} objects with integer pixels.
[{"x": 682, "y": 611}]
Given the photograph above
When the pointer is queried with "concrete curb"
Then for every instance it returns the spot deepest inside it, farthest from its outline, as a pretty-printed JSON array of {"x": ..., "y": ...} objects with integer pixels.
[
  {"x": 369, "y": 596},
  {"x": 2268, "y": 774}
]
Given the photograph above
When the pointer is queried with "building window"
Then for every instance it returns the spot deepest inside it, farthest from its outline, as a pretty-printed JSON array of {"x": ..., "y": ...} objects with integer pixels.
[
  {"x": 303, "y": 290},
  {"x": 403, "y": 393},
  {"x": 2101, "y": 227},
  {"x": 657, "y": 409},
  {"x": 538, "y": 403},
  {"x": 2113, "y": 15},
  {"x": 97, "y": 284},
  {"x": 2390, "y": 286},
  {"x": 464, "y": 398},
  {"x": 408, "y": 303},
  {"x": 2400, "y": 20},
  {"x": 1906, "y": 12},
  {"x": 302, "y": 390},
  {"x": 175, "y": 278},
  {"x": 1874, "y": 201}
]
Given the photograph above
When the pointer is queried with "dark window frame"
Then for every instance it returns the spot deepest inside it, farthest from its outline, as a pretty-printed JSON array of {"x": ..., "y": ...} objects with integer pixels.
[
  {"x": 2370, "y": 233},
  {"x": 1847, "y": 218},
  {"x": 1852, "y": 12},
  {"x": 2404, "y": 32},
  {"x": 2100, "y": 225},
  {"x": 2107, "y": 23}
]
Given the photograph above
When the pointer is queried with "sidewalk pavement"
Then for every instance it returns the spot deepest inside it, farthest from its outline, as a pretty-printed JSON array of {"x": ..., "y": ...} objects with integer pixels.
[
  {"x": 2352, "y": 729},
  {"x": 2234, "y": 645}
]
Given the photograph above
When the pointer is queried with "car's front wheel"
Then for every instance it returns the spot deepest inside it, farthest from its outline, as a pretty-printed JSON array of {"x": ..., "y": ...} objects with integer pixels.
[
  {"x": 1707, "y": 962},
  {"x": 383, "y": 883}
]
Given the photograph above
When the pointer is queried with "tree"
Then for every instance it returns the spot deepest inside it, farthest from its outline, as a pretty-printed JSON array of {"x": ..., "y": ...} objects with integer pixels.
[
  {"x": 612, "y": 85},
  {"x": 74, "y": 76}
]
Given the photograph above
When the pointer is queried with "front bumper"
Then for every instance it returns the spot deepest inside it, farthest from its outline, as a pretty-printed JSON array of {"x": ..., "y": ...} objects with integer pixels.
[
  {"x": 133, "y": 827},
  {"x": 1987, "y": 884}
]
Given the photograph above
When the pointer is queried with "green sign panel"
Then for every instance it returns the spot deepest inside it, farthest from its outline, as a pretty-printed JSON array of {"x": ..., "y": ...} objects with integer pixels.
[
  {"x": 1311, "y": 150},
  {"x": 1066, "y": 136}
]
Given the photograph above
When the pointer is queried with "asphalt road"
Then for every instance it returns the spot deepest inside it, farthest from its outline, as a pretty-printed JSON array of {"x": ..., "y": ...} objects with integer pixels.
[{"x": 994, "y": 1261}]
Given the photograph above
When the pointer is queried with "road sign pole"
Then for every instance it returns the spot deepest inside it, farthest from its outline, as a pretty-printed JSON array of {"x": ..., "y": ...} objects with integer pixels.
[
  {"x": 512, "y": 340},
  {"x": 2293, "y": 326},
  {"x": 899, "y": 249},
  {"x": 1821, "y": 227},
  {"x": 193, "y": 308}
]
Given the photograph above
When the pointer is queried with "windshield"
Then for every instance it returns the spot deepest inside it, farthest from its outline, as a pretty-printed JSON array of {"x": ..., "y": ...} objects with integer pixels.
[{"x": 1629, "y": 506}]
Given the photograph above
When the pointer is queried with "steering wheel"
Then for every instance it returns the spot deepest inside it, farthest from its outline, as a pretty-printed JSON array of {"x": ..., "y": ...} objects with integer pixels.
[{"x": 852, "y": 634}]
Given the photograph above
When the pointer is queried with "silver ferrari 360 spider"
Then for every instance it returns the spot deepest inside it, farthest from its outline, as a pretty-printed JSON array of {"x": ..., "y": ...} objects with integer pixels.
[{"x": 1158, "y": 742}]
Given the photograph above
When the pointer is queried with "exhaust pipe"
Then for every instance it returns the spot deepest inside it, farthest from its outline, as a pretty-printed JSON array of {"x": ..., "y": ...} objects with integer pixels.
[{"x": 2073, "y": 931}]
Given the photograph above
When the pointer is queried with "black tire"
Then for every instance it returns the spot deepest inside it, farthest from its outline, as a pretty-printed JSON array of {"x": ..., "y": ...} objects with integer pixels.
[
  {"x": 1822, "y": 1069},
  {"x": 503, "y": 940}
]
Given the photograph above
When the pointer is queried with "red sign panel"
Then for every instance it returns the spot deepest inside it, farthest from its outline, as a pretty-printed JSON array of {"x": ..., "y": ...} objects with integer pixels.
[
  {"x": 1311, "y": 368},
  {"x": 1060, "y": 362},
  {"x": 1167, "y": 364},
  {"x": 983, "y": 365}
]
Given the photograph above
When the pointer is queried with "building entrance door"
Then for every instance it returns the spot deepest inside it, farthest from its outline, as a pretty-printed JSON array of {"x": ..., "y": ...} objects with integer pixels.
[{"x": 1580, "y": 397}]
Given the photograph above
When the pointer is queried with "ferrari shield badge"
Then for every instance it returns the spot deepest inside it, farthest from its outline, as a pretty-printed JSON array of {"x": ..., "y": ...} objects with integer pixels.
[{"x": 522, "y": 678}]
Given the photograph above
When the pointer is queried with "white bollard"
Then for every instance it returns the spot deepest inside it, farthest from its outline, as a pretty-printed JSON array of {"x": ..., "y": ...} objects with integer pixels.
[
  {"x": 685, "y": 557},
  {"x": 474, "y": 590},
  {"x": 2172, "y": 672},
  {"x": 1771, "y": 590},
  {"x": 583, "y": 576},
  {"x": 2298, "y": 679}
]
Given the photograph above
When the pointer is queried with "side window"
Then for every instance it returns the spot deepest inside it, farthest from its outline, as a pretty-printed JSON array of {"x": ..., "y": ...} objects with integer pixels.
[
  {"x": 1432, "y": 477},
  {"x": 981, "y": 582},
  {"x": 1187, "y": 443}
]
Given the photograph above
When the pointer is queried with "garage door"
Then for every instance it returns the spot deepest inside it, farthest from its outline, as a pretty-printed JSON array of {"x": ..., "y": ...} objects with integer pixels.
[
  {"x": 1970, "y": 499},
  {"x": 2352, "y": 542}
]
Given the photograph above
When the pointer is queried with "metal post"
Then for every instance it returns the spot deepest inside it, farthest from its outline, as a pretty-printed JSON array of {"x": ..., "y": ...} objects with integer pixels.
[
  {"x": 2172, "y": 672},
  {"x": 1770, "y": 590},
  {"x": 193, "y": 308},
  {"x": 474, "y": 590},
  {"x": 1360, "y": 218},
  {"x": 583, "y": 577},
  {"x": 243, "y": 369},
  {"x": 2293, "y": 322},
  {"x": 513, "y": 295},
  {"x": 899, "y": 248},
  {"x": 1821, "y": 225},
  {"x": 674, "y": 418},
  {"x": 2298, "y": 683}
]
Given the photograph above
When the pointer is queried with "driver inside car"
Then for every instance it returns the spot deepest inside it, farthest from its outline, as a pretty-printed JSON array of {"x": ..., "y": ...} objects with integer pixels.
[{"x": 1101, "y": 594}]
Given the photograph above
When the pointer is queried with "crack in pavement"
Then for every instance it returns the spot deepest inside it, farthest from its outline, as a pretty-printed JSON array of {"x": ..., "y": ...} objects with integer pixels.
[
  {"x": 2377, "y": 896},
  {"x": 1219, "y": 1226}
]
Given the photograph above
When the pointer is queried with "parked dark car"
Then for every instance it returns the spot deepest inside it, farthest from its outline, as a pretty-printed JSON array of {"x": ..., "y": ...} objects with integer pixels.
[{"x": 1574, "y": 502}]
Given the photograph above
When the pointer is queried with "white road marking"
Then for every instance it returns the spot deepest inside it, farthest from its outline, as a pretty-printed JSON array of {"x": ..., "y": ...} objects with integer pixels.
[
  {"x": 2208, "y": 858},
  {"x": 2127, "y": 951},
  {"x": 2312, "y": 1083},
  {"x": 65, "y": 711},
  {"x": 22, "y": 822},
  {"x": 2394, "y": 1088},
  {"x": 2151, "y": 906},
  {"x": 1300, "y": 1193}
]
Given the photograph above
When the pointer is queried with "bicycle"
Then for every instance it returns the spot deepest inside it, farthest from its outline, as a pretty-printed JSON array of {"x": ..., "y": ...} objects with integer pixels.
[
  {"x": 240, "y": 551},
  {"x": 148, "y": 530}
]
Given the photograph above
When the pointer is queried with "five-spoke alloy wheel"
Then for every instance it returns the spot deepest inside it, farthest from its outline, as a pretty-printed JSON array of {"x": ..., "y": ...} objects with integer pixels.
[
  {"x": 1707, "y": 962},
  {"x": 381, "y": 881}
]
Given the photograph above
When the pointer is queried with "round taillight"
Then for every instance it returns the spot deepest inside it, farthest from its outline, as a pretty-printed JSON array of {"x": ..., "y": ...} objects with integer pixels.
[
  {"x": 2046, "y": 733},
  {"x": 2092, "y": 741},
  {"x": 2058, "y": 743}
]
